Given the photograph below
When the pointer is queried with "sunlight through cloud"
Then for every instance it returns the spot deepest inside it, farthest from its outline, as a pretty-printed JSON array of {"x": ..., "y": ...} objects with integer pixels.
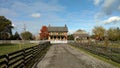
[{"x": 36, "y": 15}]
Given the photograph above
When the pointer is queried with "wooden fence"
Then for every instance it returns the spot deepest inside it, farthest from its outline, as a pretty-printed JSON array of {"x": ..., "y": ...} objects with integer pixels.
[
  {"x": 110, "y": 53},
  {"x": 20, "y": 58}
]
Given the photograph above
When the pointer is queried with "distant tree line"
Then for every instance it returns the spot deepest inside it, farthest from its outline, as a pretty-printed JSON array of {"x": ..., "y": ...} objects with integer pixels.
[
  {"x": 100, "y": 33},
  {"x": 6, "y": 31}
]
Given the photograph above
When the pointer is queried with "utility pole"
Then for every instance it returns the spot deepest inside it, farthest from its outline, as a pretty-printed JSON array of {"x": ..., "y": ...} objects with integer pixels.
[{"x": 24, "y": 28}]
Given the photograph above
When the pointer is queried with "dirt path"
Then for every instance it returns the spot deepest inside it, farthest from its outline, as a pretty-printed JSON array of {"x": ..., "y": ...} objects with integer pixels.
[{"x": 65, "y": 56}]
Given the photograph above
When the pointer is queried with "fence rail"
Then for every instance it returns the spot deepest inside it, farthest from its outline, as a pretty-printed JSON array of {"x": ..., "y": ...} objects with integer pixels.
[
  {"x": 22, "y": 57},
  {"x": 106, "y": 52}
]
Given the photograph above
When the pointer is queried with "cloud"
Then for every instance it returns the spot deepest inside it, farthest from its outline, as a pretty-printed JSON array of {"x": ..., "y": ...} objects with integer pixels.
[
  {"x": 113, "y": 19},
  {"x": 20, "y": 7},
  {"x": 8, "y": 12},
  {"x": 36, "y": 15},
  {"x": 97, "y": 2},
  {"x": 108, "y": 8},
  {"x": 119, "y": 7},
  {"x": 13, "y": 25},
  {"x": 71, "y": 31},
  {"x": 23, "y": 10},
  {"x": 36, "y": 6}
]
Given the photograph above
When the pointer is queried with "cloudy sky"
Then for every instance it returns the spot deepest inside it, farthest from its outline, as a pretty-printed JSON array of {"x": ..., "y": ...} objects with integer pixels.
[{"x": 76, "y": 14}]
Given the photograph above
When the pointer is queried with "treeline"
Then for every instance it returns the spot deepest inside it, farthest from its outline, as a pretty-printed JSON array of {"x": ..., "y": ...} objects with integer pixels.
[
  {"x": 100, "y": 33},
  {"x": 6, "y": 31}
]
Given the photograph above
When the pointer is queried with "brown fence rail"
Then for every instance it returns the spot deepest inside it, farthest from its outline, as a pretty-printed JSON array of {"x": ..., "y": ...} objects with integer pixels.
[
  {"x": 106, "y": 52},
  {"x": 20, "y": 58}
]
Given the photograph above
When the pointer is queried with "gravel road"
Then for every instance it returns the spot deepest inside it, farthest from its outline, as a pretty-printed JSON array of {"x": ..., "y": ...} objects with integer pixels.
[{"x": 66, "y": 56}]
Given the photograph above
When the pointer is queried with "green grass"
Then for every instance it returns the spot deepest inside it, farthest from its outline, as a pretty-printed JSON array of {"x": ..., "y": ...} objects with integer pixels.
[
  {"x": 99, "y": 57},
  {"x": 8, "y": 48}
]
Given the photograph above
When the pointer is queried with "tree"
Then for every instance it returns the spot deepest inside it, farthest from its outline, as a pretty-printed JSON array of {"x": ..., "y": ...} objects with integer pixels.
[
  {"x": 92, "y": 36},
  {"x": 44, "y": 33},
  {"x": 5, "y": 36},
  {"x": 5, "y": 28},
  {"x": 99, "y": 32},
  {"x": 118, "y": 33},
  {"x": 16, "y": 36},
  {"x": 26, "y": 35},
  {"x": 70, "y": 37},
  {"x": 113, "y": 34}
]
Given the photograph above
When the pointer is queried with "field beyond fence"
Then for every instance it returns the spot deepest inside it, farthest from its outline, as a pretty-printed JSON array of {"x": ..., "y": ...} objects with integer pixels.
[{"x": 25, "y": 57}]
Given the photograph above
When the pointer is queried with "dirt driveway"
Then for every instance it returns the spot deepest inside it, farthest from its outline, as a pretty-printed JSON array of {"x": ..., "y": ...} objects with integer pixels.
[{"x": 66, "y": 56}]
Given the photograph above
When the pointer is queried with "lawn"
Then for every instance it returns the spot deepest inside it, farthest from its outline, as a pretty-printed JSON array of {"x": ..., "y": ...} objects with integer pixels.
[{"x": 8, "y": 48}]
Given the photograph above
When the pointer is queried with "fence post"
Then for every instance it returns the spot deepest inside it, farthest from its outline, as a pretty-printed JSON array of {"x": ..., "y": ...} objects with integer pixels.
[
  {"x": 32, "y": 52},
  {"x": 7, "y": 60},
  {"x": 23, "y": 58}
]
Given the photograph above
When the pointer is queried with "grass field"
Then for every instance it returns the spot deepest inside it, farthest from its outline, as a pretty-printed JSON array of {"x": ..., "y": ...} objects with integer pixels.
[{"x": 8, "y": 48}]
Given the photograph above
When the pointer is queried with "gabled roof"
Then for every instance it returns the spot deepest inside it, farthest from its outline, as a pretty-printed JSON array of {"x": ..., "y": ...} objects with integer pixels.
[
  {"x": 80, "y": 32},
  {"x": 57, "y": 29}
]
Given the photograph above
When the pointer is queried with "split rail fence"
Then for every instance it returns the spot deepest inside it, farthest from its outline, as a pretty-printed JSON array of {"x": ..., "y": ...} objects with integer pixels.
[{"x": 19, "y": 59}]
